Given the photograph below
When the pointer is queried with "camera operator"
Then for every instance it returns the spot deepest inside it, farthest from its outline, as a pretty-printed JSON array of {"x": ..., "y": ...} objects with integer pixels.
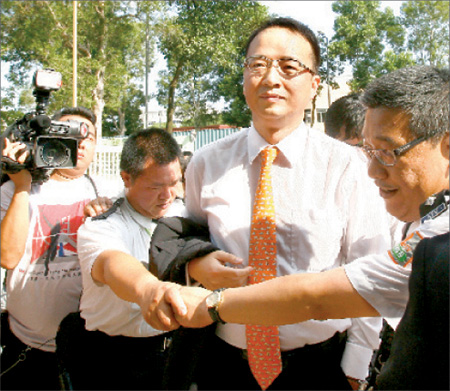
[{"x": 39, "y": 224}]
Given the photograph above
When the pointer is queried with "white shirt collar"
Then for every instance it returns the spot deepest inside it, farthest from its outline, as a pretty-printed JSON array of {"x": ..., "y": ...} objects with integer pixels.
[
  {"x": 290, "y": 147},
  {"x": 143, "y": 221}
]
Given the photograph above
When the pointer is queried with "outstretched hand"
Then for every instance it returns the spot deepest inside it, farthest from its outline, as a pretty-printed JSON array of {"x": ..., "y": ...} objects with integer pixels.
[
  {"x": 219, "y": 269},
  {"x": 159, "y": 312},
  {"x": 195, "y": 312},
  {"x": 17, "y": 152}
]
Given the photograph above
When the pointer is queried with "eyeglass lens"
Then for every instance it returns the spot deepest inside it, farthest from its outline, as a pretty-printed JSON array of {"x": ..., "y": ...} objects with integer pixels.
[
  {"x": 385, "y": 157},
  {"x": 288, "y": 67}
]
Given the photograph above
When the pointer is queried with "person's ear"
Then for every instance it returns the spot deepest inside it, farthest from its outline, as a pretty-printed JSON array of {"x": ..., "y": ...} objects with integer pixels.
[
  {"x": 445, "y": 146},
  {"x": 445, "y": 151},
  {"x": 315, "y": 85},
  {"x": 126, "y": 178}
]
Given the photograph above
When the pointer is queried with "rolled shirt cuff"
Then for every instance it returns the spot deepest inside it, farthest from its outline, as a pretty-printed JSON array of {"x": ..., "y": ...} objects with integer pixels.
[{"x": 356, "y": 360}]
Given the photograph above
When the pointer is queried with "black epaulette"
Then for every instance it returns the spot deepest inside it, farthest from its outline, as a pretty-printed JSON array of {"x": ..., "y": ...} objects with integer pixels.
[
  {"x": 110, "y": 211},
  {"x": 434, "y": 206}
]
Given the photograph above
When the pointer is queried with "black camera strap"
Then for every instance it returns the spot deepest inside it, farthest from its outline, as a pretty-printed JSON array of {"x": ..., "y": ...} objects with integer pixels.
[
  {"x": 10, "y": 166},
  {"x": 93, "y": 184}
]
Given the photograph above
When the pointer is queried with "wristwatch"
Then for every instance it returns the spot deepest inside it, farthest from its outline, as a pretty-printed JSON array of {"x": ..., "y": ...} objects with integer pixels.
[{"x": 212, "y": 302}]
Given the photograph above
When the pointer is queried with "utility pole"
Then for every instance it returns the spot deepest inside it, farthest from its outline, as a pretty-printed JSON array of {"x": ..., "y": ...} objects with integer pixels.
[
  {"x": 75, "y": 55},
  {"x": 146, "y": 70},
  {"x": 328, "y": 75}
]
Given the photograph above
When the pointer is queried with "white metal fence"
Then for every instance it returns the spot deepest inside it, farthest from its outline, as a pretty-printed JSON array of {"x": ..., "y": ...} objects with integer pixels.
[
  {"x": 106, "y": 163},
  {"x": 106, "y": 168}
]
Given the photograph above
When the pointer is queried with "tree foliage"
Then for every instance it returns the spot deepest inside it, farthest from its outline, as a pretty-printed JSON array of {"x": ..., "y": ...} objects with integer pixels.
[
  {"x": 126, "y": 118},
  {"x": 202, "y": 44},
  {"x": 110, "y": 47},
  {"x": 362, "y": 31},
  {"x": 375, "y": 41},
  {"x": 427, "y": 25}
]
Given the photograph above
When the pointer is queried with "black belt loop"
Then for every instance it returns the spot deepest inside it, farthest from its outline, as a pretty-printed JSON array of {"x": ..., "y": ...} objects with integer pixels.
[{"x": 167, "y": 342}]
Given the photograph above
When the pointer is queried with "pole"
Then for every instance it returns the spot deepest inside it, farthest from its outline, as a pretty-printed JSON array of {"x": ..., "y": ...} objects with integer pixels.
[
  {"x": 74, "y": 55},
  {"x": 146, "y": 70},
  {"x": 328, "y": 76}
]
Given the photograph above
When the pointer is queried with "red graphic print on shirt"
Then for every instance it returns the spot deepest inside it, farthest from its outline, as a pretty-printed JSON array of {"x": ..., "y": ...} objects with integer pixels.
[{"x": 55, "y": 233}]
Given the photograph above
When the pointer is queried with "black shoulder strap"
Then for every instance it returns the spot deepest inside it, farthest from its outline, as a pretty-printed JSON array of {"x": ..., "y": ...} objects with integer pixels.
[
  {"x": 434, "y": 206},
  {"x": 110, "y": 211}
]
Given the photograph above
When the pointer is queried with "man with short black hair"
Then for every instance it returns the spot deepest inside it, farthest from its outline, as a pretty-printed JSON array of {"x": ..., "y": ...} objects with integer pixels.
[
  {"x": 117, "y": 286},
  {"x": 406, "y": 136},
  {"x": 123, "y": 302},
  {"x": 39, "y": 249},
  {"x": 344, "y": 119},
  {"x": 326, "y": 213}
]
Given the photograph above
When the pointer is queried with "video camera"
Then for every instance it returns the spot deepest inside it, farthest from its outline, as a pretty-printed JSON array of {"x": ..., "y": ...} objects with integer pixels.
[{"x": 52, "y": 144}]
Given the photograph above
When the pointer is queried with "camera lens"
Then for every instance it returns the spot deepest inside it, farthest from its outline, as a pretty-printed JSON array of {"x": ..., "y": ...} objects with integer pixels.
[{"x": 54, "y": 153}]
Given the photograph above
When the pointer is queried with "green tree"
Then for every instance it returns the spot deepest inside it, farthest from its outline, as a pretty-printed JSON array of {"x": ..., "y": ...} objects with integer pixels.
[
  {"x": 201, "y": 43},
  {"x": 236, "y": 112},
  {"x": 427, "y": 31},
  {"x": 362, "y": 34},
  {"x": 110, "y": 47},
  {"x": 9, "y": 113},
  {"x": 328, "y": 70},
  {"x": 374, "y": 42},
  {"x": 127, "y": 118}
]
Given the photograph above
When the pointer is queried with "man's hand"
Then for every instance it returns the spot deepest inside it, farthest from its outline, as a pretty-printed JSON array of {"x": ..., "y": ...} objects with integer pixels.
[
  {"x": 213, "y": 272},
  {"x": 97, "y": 207},
  {"x": 156, "y": 310},
  {"x": 196, "y": 314},
  {"x": 354, "y": 383},
  {"x": 18, "y": 152}
]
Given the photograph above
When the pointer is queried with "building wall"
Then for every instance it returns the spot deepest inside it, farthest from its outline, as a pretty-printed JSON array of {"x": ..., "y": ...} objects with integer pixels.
[{"x": 322, "y": 100}]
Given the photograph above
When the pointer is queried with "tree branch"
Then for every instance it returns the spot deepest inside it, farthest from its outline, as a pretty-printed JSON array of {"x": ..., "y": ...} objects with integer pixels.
[{"x": 68, "y": 39}]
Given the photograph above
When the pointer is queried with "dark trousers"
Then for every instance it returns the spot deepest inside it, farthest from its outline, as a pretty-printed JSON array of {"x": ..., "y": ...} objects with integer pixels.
[
  {"x": 313, "y": 367},
  {"x": 96, "y": 361},
  {"x": 35, "y": 369}
]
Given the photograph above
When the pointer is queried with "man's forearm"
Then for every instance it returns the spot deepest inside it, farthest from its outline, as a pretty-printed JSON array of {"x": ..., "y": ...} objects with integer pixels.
[
  {"x": 130, "y": 280},
  {"x": 14, "y": 229},
  {"x": 295, "y": 298},
  {"x": 124, "y": 274}
]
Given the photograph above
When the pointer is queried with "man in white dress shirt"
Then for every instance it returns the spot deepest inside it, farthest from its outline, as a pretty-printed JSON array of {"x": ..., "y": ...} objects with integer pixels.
[
  {"x": 328, "y": 213},
  {"x": 121, "y": 299},
  {"x": 407, "y": 141}
]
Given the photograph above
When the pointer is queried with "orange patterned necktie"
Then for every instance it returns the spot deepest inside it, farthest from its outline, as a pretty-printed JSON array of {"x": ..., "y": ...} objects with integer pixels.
[{"x": 263, "y": 343}]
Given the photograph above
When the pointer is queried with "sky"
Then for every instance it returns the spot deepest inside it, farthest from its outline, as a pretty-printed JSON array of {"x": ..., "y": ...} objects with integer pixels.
[{"x": 318, "y": 15}]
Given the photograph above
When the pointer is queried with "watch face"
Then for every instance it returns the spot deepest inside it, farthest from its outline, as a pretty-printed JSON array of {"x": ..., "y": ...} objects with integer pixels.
[{"x": 211, "y": 300}]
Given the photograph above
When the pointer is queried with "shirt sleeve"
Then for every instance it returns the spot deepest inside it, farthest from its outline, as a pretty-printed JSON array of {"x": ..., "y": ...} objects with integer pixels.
[
  {"x": 362, "y": 340},
  {"x": 194, "y": 175},
  {"x": 7, "y": 191},
  {"x": 95, "y": 237},
  {"x": 382, "y": 279}
]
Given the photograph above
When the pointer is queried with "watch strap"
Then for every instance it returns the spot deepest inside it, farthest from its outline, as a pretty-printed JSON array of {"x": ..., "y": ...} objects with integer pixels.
[{"x": 214, "y": 309}]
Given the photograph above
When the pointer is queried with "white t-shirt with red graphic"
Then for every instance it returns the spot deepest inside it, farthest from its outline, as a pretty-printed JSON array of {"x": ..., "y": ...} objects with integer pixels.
[{"x": 46, "y": 284}]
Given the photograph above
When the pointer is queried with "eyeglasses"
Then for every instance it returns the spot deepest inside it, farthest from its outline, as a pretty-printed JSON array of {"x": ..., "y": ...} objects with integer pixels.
[
  {"x": 387, "y": 157},
  {"x": 289, "y": 67}
]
